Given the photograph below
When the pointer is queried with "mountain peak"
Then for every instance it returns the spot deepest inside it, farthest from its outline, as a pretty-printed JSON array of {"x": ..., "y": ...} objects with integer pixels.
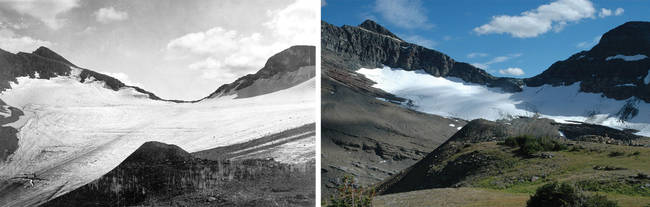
[
  {"x": 630, "y": 38},
  {"x": 373, "y": 26},
  {"x": 49, "y": 54}
]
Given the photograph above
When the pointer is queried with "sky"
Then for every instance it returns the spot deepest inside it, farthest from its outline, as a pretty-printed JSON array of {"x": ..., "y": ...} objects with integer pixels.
[
  {"x": 510, "y": 38},
  {"x": 175, "y": 49}
]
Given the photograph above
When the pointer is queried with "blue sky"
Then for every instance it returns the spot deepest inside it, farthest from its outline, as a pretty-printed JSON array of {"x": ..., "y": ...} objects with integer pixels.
[{"x": 501, "y": 36}]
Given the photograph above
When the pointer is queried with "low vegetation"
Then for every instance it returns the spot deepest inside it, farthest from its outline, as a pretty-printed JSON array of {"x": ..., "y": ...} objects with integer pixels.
[
  {"x": 351, "y": 195},
  {"x": 529, "y": 145},
  {"x": 566, "y": 195}
]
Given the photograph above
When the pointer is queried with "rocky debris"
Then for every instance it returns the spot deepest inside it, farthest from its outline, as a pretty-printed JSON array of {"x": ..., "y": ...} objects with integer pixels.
[
  {"x": 615, "y": 78},
  {"x": 370, "y": 45},
  {"x": 596, "y": 133},
  {"x": 545, "y": 155},
  {"x": 608, "y": 168},
  {"x": 284, "y": 62},
  {"x": 599, "y": 139}
]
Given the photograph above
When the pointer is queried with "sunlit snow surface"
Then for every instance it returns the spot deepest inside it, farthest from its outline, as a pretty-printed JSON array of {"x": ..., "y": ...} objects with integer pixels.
[
  {"x": 72, "y": 132},
  {"x": 452, "y": 97}
]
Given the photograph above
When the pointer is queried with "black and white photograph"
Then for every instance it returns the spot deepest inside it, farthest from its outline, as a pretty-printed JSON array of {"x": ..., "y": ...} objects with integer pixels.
[{"x": 158, "y": 102}]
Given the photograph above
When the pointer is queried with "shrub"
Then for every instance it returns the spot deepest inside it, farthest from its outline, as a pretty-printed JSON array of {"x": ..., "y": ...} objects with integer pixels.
[
  {"x": 565, "y": 195},
  {"x": 616, "y": 154},
  {"x": 349, "y": 195},
  {"x": 529, "y": 145}
]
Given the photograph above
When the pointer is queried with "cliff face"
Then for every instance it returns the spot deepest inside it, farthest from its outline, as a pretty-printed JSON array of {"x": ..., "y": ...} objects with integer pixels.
[
  {"x": 617, "y": 66},
  {"x": 370, "y": 45}
]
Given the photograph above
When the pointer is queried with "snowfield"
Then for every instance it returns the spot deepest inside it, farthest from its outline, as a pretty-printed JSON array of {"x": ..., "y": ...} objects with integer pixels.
[
  {"x": 73, "y": 133},
  {"x": 452, "y": 97}
]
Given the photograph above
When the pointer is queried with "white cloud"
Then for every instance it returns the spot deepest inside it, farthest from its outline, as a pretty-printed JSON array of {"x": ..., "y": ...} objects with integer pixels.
[
  {"x": 224, "y": 54},
  {"x": 109, "y": 14},
  {"x": 44, "y": 10},
  {"x": 587, "y": 44},
  {"x": 512, "y": 71},
  {"x": 480, "y": 65},
  {"x": 403, "y": 13},
  {"x": 419, "y": 40},
  {"x": 604, "y": 13},
  {"x": 477, "y": 54},
  {"x": 498, "y": 59},
  {"x": 532, "y": 23},
  {"x": 619, "y": 11},
  {"x": 11, "y": 42}
]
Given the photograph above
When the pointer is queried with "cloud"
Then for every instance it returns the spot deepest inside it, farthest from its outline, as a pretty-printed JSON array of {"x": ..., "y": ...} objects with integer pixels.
[
  {"x": 109, "y": 14},
  {"x": 619, "y": 11},
  {"x": 533, "y": 23},
  {"x": 604, "y": 13},
  {"x": 419, "y": 40},
  {"x": 494, "y": 60},
  {"x": 477, "y": 54},
  {"x": 587, "y": 44},
  {"x": 407, "y": 14},
  {"x": 11, "y": 42},
  {"x": 480, "y": 65},
  {"x": 44, "y": 10},
  {"x": 512, "y": 71},
  {"x": 224, "y": 54}
]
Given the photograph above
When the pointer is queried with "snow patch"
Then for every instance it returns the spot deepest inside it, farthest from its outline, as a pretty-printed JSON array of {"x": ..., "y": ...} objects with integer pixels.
[
  {"x": 646, "y": 80},
  {"x": 627, "y": 58}
]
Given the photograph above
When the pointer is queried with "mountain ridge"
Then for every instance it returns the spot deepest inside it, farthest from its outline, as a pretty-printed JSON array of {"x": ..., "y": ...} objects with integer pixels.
[{"x": 371, "y": 45}]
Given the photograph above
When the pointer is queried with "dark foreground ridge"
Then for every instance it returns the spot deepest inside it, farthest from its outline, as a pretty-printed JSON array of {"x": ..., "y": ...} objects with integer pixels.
[{"x": 159, "y": 174}]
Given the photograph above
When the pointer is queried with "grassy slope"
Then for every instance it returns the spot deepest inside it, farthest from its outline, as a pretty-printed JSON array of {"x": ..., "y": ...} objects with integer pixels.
[{"x": 513, "y": 185}]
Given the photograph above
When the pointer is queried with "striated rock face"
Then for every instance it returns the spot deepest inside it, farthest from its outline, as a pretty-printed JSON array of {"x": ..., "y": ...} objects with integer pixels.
[
  {"x": 371, "y": 45},
  {"x": 600, "y": 71},
  {"x": 45, "y": 64},
  {"x": 283, "y": 70}
]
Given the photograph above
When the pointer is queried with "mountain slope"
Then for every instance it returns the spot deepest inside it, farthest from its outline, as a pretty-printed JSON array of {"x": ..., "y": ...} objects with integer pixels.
[
  {"x": 362, "y": 133},
  {"x": 288, "y": 68},
  {"x": 617, "y": 66}
]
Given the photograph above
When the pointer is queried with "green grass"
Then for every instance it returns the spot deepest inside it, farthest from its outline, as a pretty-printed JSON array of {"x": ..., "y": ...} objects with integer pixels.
[{"x": 574, "y": 164}]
